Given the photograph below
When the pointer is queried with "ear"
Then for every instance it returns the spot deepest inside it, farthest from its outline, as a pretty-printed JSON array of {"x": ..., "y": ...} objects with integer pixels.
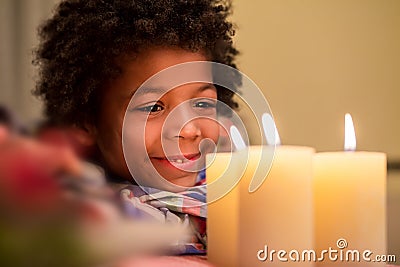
[
  {"x": 84, "y": 139},
  {"x": 80, "y": 139},
  {"x": 85, "y": 136}
]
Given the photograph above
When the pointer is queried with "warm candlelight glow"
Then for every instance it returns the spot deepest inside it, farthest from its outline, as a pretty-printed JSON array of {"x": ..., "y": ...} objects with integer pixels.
[{"x": 350, "y": 135}]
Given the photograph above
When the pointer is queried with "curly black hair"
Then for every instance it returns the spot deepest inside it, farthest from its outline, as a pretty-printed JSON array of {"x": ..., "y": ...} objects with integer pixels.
[{"x": 81, "y": 43}]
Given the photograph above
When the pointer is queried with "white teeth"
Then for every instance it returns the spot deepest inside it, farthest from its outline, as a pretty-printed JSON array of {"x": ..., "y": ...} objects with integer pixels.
[{"x": 179, "y": 161}]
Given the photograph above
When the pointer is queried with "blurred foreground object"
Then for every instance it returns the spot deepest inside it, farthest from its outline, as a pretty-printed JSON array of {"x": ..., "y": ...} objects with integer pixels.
[{"x": 53, "y": 213}]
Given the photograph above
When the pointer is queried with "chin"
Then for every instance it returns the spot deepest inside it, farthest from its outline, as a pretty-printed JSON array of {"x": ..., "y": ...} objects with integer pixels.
[{"x": 186, "y": 181}]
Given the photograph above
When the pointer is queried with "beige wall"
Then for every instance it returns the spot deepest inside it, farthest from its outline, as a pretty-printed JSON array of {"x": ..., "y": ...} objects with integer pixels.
[
  {"x": 19, "y": 20},
  {"x": 315, "y": 60}
]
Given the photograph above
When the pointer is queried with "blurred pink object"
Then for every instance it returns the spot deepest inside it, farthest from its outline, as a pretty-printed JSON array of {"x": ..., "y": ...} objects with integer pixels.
[
  {"x": 3, "y": 133},
  {"x": 166, "y": 261}
]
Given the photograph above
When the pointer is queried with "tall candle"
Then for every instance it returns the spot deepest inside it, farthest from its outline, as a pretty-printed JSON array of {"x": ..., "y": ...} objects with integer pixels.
[
  {"x": 279, "y": 215},
  {"x": 350, "y": 213}
]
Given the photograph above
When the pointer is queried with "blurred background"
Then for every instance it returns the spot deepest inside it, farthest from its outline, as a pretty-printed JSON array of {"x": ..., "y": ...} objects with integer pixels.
[
  {"x": 314, "y": 60},
  {"x": 19, "y": 20}
]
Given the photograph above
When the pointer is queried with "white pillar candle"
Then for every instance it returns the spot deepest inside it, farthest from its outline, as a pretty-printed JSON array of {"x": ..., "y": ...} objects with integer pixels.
[
  {"x": 278, "y": 214},
  {"x": 350, "y": 204},
  {"x": 223, "y": 210}
]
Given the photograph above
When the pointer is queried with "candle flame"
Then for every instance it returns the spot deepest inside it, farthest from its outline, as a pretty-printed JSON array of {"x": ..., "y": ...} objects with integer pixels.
[
  {"x": 270, "y": 130},
  {"x": 350, "y": 135},
  {"x": 237, "y": 138}
]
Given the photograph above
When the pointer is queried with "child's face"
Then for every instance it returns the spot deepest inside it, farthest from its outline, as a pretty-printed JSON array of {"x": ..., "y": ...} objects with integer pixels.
[{"x": 147, "y": 115}]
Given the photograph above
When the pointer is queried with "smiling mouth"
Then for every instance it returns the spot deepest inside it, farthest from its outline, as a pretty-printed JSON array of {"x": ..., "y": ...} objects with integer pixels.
[
  {"x": 181, "y": 158},
  {"x": 181, "y": 163}
]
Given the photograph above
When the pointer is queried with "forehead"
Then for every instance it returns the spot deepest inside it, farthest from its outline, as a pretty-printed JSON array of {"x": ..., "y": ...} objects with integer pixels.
[{"x": 137, "y": 70}]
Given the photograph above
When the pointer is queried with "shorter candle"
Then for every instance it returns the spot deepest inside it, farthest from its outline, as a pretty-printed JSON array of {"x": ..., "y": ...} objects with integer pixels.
[{"x": 349, "y": 196}]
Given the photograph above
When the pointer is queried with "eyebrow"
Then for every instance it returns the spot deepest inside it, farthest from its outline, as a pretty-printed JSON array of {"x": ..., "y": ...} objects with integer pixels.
[
  {"x": 150, "y": 90},
  {"x": 207, "y": 86},
  {"x": 159, "y": 90}
]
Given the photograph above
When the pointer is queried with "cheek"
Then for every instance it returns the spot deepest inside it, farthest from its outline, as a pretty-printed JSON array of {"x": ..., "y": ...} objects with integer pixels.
[
  {"x": 152, "y": 136},
  {"x": 110, "y": 146},
  {"x": 109, "y": 137},
  {"x": 133, "y": 140},
  {"x": 110, "y": 130},
  {"x": 210, "y": 129}
]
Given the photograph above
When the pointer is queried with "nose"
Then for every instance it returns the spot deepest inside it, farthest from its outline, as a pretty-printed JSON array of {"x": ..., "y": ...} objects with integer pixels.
[
  {"x": 182, "y": 124},
  {"x": 190, "y": 130}
]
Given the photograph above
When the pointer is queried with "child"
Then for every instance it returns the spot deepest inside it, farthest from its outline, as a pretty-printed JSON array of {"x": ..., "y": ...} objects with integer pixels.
[{"x": 92, "y": 58}]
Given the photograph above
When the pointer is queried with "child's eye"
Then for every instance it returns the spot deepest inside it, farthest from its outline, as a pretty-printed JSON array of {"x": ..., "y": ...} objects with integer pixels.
[
  {"x": 151, "y": 108},
  {"x": 205, "y": 104}
]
